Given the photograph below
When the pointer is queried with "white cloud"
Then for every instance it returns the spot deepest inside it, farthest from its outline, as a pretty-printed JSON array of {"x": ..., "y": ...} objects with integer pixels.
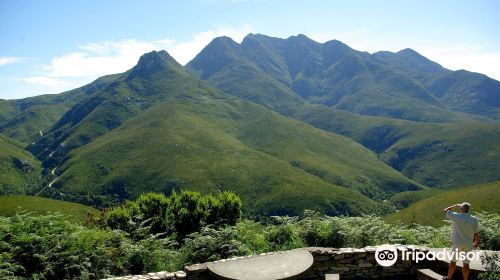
[
  {"x": 454, "y": 56},
  {"x": 98, "y": 59},
  {"x": 109, "y": 57},
  {"x": 49, "y": 83},
  {"x": 9, "y": 60},
  {"x": 183, "y": 52},
  {"x": 468, "y": 57},
  {"x": 92, "y": 60}
]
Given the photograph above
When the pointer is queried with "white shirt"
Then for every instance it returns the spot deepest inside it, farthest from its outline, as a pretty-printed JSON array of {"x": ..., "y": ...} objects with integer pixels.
[{"x": 464, "y": 227}]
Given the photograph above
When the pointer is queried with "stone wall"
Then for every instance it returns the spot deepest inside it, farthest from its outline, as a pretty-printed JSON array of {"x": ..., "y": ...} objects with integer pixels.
[
  {"x": 348, "y": 262},
  {"x": 361, "y": 264}
]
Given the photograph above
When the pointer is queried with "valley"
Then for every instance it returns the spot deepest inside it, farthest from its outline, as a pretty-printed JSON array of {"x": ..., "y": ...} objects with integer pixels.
[{"x": 287, "y": 124}]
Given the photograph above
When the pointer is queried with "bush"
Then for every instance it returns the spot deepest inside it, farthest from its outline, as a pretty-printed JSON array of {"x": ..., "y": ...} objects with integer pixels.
[
  {"x": 212, "y": 244},
  {"x": 50, "y": 247},
  {"x": 489, "y": 233},
  {"x": 230, "y": 211},
  {"x": 119, "y": 218},
  {"x": 153, "y": 207},
  {"x": 284, "y": 236},
  {"x": 186, "y": 213},
  {"x": 490, "y": 262},
  {"x": 180, "y": 214},
  {"x": 223, "y": 209},
  {"x": 321, "y": 232}
]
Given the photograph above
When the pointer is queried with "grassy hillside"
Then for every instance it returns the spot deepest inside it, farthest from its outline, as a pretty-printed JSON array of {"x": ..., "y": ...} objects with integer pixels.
[
  {"x": 277, "y": 165},
  {"x": 9, "y": 205},
  {"x": 405, "y": 199},
  {"x": 462, "y": 150},
  {"x": 429, "y": 211},
  {"x": 23, "y": 119},
  {"x": 331, "y": 74},
  {"x": 436, "y": 155},
  {"x": 461, "y": 90},
  {"x": 20, "y": 172},
  {"x": 448, "y": 154},
  {"x": 158, "y": 128}
]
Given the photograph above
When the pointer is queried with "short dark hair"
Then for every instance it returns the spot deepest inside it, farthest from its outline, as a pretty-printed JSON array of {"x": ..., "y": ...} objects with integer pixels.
[{"x": 465, "y": 207}]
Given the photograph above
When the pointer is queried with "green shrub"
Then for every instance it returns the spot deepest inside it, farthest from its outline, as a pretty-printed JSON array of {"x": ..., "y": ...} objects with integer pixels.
[
  {"x": 322, "y": 233},
  {"x": 489, "y": 233},
  {"x": 490, "y": 262},
  {"x": 213, "y": 244},
  {"x": 51, "y": 247},
  {"x": 180, "y": 214},
  {"x": 284, "y": 236},
  {"x": 153, "y": 207},
  {"x": 119, "y": 218},
  {"x": 186, "y": 213},
  {"x": 230, "y": 211}
]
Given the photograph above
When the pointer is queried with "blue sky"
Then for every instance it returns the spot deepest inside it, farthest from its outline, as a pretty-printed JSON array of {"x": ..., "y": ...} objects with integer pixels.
[{"x": 53, "y": 46}]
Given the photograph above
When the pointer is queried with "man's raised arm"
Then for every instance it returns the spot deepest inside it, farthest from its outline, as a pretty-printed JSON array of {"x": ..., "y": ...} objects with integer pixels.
[{"x": 451, "y": 207}]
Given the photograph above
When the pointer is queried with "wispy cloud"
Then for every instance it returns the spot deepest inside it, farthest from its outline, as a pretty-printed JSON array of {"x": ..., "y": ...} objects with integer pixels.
[
  {"x": 97, "y": 59},
  {"x": 48, "y": 82},
  {"x": 101, "y": 58},
  {"x": 465, "y": 56},
  {"x": 10, "y": 60},
  {"x": 94, "y": 59},
  {"x": 183, "y": 52},
  {"x": 453, "y": 55}
]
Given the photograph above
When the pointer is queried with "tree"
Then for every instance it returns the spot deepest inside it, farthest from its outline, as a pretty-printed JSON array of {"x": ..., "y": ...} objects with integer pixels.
[
  {"x": 153, "y": 207},
  {"x": 230, "y": 208},
  {"x": 186, "y": 213}
]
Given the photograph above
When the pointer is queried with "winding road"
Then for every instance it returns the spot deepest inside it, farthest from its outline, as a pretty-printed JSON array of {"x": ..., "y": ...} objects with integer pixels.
[{"x": 53, "y": 173}]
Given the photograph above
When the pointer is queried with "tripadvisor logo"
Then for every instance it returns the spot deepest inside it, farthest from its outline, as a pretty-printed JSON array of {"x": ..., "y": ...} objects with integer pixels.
[{"x": 386, "y": 255}]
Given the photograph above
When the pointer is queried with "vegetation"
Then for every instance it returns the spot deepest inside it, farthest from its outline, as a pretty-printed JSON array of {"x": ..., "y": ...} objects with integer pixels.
[
  {"x": 20, "y": 172},
  {"x": 157, "y": 128},
  {"x": 268, "y": 153},
  {"x": 490, "y": 262},
  {"x": 178, "y": 215},
  {"x": 23, "y": 119},
  {"x": 330, "y": 86},
  {"x": 10, "y": 205},
  {"x": 145, "y": 235},
  {"x": 428, "y": 211}
]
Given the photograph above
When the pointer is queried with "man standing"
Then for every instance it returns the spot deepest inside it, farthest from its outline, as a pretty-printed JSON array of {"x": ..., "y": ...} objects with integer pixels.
[{"x": 464, "y": 236}]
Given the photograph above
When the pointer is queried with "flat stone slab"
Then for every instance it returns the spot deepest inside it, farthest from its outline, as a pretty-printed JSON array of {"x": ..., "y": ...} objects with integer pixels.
[{"x": 282, "y": 265}]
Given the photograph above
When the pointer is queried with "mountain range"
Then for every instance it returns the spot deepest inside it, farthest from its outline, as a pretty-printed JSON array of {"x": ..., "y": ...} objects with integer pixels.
[{"x": 288, "y": 124}]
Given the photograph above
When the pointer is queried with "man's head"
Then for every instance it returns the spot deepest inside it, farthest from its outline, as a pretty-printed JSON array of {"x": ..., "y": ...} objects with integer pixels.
[{"x": 465, "y": 207}]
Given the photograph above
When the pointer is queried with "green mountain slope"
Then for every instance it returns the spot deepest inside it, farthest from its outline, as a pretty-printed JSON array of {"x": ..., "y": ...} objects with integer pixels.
[
  {"x": 448, "y": 155},
  {"x": 9, "y": 205},
  {"x": 429, "y": 211},
  {"x": 20, "y": 172},
  {"x": 460, "y": 90},
  {"x": 439, "y": 155},
  {"x": 177, "y": 132},
  {"x": 261, "y": 70},
  {"x": 271, "y": 131},
  {"x": 332, "y": 74},
  {"x": 24, "y": 119}
]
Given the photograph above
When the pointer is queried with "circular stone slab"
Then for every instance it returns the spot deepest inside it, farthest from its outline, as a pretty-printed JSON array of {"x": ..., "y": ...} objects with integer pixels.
[{"x": 283, "y": 265}]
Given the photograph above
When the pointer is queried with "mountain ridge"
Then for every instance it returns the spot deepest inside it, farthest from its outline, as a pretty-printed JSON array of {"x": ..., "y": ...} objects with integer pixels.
[
  {"x": 157, "y": 110},
  {"x": 282, "y": 122},
  {"x": 383, "y": 132}
]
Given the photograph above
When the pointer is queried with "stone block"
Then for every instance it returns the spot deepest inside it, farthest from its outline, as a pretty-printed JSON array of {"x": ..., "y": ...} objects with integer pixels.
[{"x": 321, "y": 258}]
